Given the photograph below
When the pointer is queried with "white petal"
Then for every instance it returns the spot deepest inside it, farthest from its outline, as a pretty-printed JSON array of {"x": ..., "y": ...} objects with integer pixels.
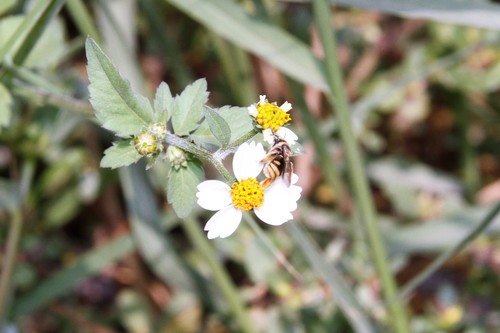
[
  {"x": 252, "y": 110},
  {"x": 246, "y": 160},
  {"x": 287, "y": 135},
  {"x": 213, "y": 195},
  {"x": 262, "y": 99},
  {"x": 286, "y": 107},
  {"x": 223, "y": 223},
  {"x": 269, "y": 214},
  {"x": 279, "y": 201},
  {"x": 268, "y": 136}
]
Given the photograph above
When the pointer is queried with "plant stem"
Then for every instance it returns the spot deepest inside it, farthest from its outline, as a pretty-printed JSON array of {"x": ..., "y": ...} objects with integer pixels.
[
  {"x": 220, "y": 276},
  {"x": 359, "y": 181},
  {"x": 13, "y": 237},
  {"x": 470, "y": 173},
  {"x": 443, "y": 257},
  {"x": 274, "y": 251}
]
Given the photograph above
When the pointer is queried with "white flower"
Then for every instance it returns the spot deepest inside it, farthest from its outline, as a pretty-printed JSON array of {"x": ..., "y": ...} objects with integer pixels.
[
  {"x": 272, "y": 205},
  {"x": 271, "y": 119},
  {"x": 283, "y": 133}
]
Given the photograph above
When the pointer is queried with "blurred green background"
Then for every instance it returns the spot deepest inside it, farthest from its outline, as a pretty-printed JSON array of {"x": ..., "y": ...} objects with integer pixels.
[{"x": 87, "y": 249}]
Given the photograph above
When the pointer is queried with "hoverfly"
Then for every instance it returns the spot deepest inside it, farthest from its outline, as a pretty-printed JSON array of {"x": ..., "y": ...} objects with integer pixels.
[{"x": 278, "y": 163}]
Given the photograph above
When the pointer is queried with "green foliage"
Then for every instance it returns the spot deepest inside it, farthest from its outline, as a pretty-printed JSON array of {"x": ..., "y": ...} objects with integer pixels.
[
  {"x": 187, "y": 109},
  {"x": 49, "y": 49},
  {"x": 117, "y": 107},
  {"x": 218, "y": 126},
  {"x": 181, "y": 186},
  {"x": 122, "y": 153},
  {"x": 413, "y": 86},
  {"x": 163, "y": 103},
  {"x": 5, "y": 106}
]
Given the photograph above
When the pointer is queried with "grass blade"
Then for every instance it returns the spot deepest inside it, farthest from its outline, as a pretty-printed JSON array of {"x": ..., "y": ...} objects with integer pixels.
[
  {"x": 473, "y": 13},
  {"x": 443, "y": 257},
  {"x": 228, "y": 20},
  {"x": 339, "y": 288}
]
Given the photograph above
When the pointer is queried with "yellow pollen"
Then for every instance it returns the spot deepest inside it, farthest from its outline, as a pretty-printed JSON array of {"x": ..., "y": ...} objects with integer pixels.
[
  {"x": 271, "y": 116},
  {"x": 247, "y": 194}
]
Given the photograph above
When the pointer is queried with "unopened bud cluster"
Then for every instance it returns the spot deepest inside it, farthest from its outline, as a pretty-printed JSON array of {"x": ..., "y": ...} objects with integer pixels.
[
  {"x": 177, "y": 157},
  {"x": 149, "y": 142}
]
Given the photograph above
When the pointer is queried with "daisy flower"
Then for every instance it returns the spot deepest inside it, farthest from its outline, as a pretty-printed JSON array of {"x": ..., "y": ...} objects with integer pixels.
[
  {"x": 272, "y": 205},
  {"x": 271, "y": 118}
]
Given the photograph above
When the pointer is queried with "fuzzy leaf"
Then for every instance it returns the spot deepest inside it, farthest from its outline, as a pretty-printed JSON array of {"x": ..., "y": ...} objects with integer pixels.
[
  {"x": 122, "y": 153},
  {"x": 239, "y": 120},
  {"x": 181, "y": 187},
  {"x": 218, "y": 126},
  {"x": 5, "y": 106},
  {"x": 164, "y": 102},
  {"x": 188, "y": 107},
  {"x": 116, "y": 106}
]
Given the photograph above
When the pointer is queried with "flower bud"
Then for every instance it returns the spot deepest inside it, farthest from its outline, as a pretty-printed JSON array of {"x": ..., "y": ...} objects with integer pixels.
[
  {"x": 146, "y": 144},
  {"x": 177, "y": 157},
  {"x": 159, "y": 130}
]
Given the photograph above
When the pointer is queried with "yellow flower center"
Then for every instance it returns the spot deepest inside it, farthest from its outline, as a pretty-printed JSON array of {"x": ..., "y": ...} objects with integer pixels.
[
  {"x": 271, "y": 116},
  {"x": 247, "y": 194}
]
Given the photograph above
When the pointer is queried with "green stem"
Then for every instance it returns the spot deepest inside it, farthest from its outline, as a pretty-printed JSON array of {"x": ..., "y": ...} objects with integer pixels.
[
  {"x": 443, "y": 257},
  {"x": 83, "y": 19},
  {"x": 359, "y": 181},
  {"x": 470, "y": 174},
  {"x": 274, "y": 251},
  {"x": 9, "y": 259},
  {"x": 330, "y": 171},
  {"x": 222, "y": 279},
  {"x": 214, "y": 158},
  {"x": 13, "y": 238}
]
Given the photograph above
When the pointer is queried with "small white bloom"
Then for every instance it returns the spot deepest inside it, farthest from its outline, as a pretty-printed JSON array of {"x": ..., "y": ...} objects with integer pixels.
[
  {"x": 271, "y": 119},
  {"x": 283, "y": 133},
  {"x": 272, "y": 205}
]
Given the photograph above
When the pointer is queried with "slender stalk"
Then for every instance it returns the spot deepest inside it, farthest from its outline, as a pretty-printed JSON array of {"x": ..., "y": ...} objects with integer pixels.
[
  {"x": 443, "y": 257},
  {"x": 8, "y": 263},
  {"x": 330, "y": 171},
  {"x": 214, "y": 158},
  {"x": 274, "y": 251},
  {"x": 470, "y": 174},
  {"x": 220, "y": 276},
  {"x": 83, "y": 19},
  {"x": 339, "y": 288},
  {"x": 159, "y": 30},
  {"x": 359, "y": 182},
  {"x": 13, "y": 238}
]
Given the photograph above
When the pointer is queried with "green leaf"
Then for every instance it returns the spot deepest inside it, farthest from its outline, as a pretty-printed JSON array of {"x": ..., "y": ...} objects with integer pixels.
[
  {"x": 49, "y": 48},
  {"x": 122, "y": 153},
  {"x": 218, "y": 126},
  {"x": 5, "y": 106},
  {"x": 163, "y": 103},
  {"x": 278, "y": 47},
  {"x": 116, "y": 106},
  {"x": 239, "y": 120},
  {"x": 188, "y": 107},
  {"x": 473, "y": 13},
  {"x": 5, "y": 5},
  {"x": 181, "y": 187}
]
